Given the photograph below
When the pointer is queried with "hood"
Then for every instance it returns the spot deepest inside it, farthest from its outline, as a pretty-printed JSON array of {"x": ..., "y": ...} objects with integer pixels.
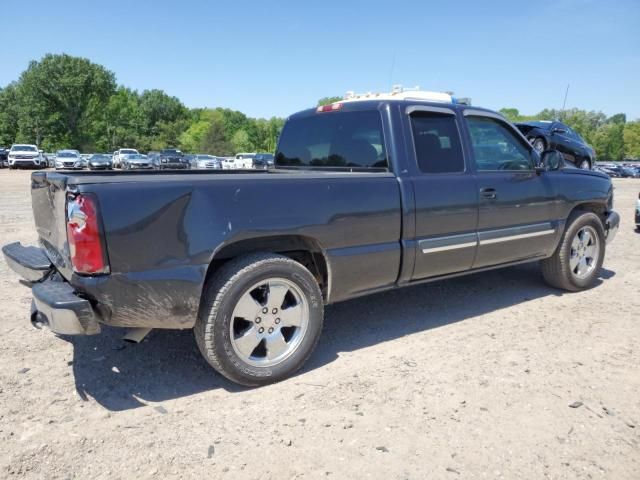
[{"x": 580, "y": 171}]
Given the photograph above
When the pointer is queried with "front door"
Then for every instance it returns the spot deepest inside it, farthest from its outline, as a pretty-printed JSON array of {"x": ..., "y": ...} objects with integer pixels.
[
  {"x": 446, "y": 195},
  {"x": 516, "y": 204}
]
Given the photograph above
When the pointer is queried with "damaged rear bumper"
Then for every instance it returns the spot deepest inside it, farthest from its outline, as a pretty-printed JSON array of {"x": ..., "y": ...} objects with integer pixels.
[{"x": 55, "y": 302}]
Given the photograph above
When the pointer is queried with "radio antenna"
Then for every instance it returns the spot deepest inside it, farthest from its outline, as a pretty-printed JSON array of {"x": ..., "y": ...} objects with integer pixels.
[
  {"x": 393, "y": 66},
  {"x": 564, "y": 103}
]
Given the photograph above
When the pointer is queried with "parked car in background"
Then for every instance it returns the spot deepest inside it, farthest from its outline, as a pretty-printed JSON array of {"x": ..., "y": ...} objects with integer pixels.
[
  {"x": 190, "y": 158},
  {"x": 172, "y": 158},
  {"x": 135, "y": 161},
  {"x": 4, "y": 157},
  {"x": 25, "y": 156},
  {"x": 638, "y": 213},
  {"x": 100, "y": 161},
  {"x": 118, "y": 154},
  {"x": 50, "y": 158},
  {"x": 244, "y": 160},
  {"x": 207, "y": 162},
  {"x": 554, "y": 135},
  {"x": 69, "y": 160},
  {"x": 263, "y": 161},
  {"x": 620, "y": 171}
]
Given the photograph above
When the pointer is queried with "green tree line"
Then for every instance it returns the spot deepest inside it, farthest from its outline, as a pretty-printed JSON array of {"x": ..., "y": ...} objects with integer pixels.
[{"x": 61, "y": 101}]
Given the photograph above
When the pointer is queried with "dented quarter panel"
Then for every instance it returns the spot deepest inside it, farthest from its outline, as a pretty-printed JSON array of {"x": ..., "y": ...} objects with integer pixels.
[{"x": 162, "y": 235}]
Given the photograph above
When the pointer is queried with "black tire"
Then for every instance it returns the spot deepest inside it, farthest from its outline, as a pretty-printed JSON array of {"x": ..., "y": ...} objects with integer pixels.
[
  {"x": 539, "y": 144},
  {"x": 221, "y": 294},
  {"x": 556, "y": 269}
]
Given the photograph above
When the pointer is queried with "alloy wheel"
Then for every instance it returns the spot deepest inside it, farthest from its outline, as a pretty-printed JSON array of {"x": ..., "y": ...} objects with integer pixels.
[
  {"x": 269, "y": 322},
  {"x": 585, "y": 250}
]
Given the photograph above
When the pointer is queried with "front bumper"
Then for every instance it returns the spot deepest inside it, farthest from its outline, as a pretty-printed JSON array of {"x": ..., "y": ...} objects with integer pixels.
[
  {"x": 611, "y": 224},
  {"x": 55, "y": 301},
  {"x": 174, "y": 166},
  {"x": 25, "y": 163}
]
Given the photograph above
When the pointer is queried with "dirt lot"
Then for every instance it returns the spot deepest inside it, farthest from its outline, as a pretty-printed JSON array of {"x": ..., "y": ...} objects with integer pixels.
[{"x": 467, "y": 378}]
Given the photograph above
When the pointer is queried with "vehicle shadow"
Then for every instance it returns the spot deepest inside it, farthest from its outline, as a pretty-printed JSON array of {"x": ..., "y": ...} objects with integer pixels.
[{"x": 168, "y": 365}]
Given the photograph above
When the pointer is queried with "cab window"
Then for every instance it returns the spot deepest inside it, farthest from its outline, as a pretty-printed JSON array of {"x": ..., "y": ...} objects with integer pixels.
[{"x": 496, "y": 146}]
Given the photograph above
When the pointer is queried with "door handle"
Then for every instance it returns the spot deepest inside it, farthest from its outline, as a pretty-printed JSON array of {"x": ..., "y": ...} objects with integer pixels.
[{"x": 488, "y": 193}]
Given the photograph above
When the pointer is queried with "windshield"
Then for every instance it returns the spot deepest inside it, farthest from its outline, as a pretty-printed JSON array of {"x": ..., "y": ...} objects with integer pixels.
[
  {"x": 24, "y": 148},
  {"x": 171, "y": 152},
  {"x": 67, "y": 155}
]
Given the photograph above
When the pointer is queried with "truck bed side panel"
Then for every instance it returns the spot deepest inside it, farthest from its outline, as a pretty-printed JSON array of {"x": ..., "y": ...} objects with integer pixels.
[{"x": 162, "y": 236}]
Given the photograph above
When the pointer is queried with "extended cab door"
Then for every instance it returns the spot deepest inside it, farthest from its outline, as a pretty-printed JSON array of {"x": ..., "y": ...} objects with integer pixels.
[
  {"x": 516, "y": 217},
  {"x": 446, "y": 194}
]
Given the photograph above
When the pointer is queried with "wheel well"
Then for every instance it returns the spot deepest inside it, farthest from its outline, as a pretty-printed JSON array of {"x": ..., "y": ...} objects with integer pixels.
[
  {"x": 303, "y": 250},
  {"x": 597, "y": 208}
]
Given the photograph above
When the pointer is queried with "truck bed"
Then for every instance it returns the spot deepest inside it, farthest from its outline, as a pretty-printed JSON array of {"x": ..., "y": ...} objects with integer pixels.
[{"x": 163, "y": 229}]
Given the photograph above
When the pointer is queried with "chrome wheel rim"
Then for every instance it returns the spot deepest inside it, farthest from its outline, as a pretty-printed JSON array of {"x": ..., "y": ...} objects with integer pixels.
[
  {"x": 269, "y": 322},
  {"x": 584, "y": 165},
  {"x": 584, "y": 252},
  {"x": 538, "y": 145}
]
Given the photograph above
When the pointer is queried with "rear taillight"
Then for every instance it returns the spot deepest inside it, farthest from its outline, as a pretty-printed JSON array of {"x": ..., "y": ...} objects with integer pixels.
[{"x": 86, "y": 247}]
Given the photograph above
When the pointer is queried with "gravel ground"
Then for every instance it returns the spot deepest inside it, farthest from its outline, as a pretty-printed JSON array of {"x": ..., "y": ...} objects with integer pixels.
[{"x": 493, "y": 375}]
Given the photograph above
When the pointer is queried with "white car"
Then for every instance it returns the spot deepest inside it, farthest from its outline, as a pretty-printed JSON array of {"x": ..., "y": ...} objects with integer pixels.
[
  {"x": 240, "y": 161},
  {"x": 244, "y": 160},
  {"x": 119, "y": 154},
  {"x": 26, "y": 156}
]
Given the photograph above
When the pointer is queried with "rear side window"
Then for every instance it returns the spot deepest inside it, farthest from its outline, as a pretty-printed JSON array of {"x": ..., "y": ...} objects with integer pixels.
[
  {"x": 336, "y": 140},
  {"x": 437, "y": 143}
]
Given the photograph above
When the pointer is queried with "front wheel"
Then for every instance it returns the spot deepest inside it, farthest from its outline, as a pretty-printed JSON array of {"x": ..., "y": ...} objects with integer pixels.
[
  {"x": 260, "y": 319},
  {"x": 576, "y": 263}
]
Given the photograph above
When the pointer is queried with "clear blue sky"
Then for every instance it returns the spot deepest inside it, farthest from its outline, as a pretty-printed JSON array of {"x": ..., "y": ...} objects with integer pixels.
[{"x": 274, "y": 58}]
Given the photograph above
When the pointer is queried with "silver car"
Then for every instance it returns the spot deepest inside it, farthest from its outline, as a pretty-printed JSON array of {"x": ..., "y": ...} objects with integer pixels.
[
  {"x": 135, "y": 161},
  {"x": 69, "y": 160},
  {"x": 207, "y": 162}
]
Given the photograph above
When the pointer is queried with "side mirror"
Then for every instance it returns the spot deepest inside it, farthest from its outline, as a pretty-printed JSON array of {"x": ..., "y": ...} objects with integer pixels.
[{"x": 551, "y": 160}]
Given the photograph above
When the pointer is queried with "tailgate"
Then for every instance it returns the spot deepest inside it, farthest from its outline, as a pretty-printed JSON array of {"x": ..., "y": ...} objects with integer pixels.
[{"x": 48, "y": 198}]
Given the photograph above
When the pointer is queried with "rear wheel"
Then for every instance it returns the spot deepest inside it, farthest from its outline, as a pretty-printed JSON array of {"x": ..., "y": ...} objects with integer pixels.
[
  {"x": 576, "y": 263},
  {"x": 260, "y": 319}
]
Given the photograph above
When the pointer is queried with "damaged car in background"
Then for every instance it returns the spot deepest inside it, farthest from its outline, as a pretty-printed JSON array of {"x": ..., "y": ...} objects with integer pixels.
[{"x": 547, "y": 135}]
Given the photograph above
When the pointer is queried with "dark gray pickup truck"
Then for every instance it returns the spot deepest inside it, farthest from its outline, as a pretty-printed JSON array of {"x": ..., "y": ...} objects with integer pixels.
[{"x": 366, "y": 196}]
